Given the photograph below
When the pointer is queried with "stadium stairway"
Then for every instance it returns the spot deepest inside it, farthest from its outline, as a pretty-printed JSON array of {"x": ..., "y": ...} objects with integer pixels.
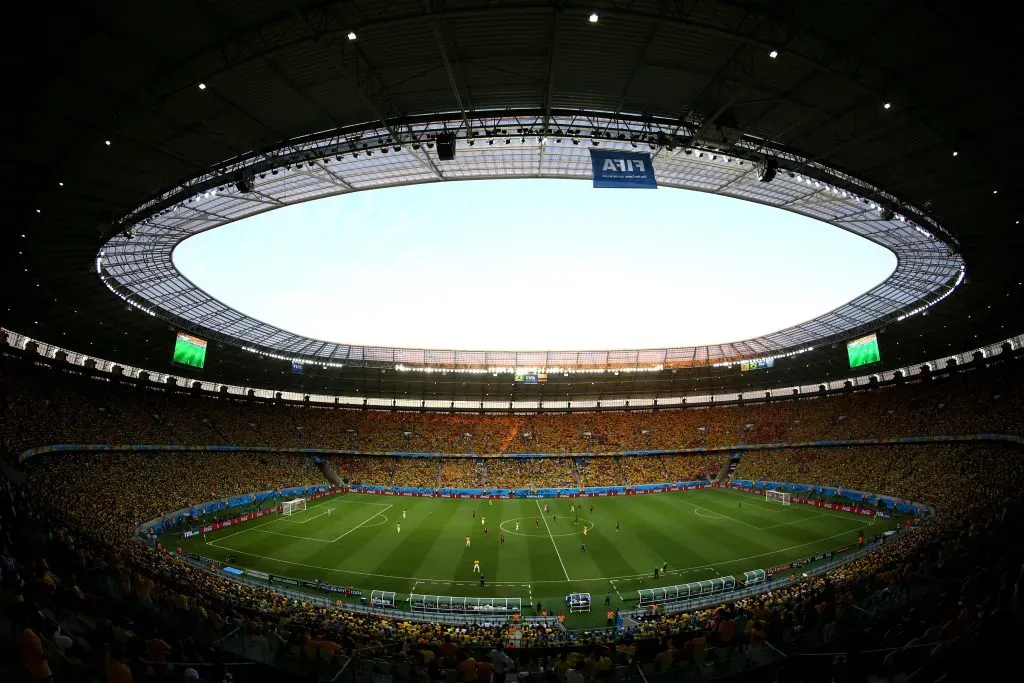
[
  {"x": 728, "y": 468},
  {"x": 329, "y": 472}
]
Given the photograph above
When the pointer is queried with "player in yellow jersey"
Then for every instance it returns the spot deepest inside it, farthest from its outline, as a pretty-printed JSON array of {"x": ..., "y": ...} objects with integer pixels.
[
  {"x": 585, "y": 528},
  {"x": 467, "y": 541},
  {"x": 476, "y": 566},
  {"x": 398, "y": 528}
]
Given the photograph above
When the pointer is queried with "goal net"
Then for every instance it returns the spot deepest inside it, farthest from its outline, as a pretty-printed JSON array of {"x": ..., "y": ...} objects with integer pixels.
[
  {"x": 290, "y": 506},
  {"x": 780, "y": 496}
]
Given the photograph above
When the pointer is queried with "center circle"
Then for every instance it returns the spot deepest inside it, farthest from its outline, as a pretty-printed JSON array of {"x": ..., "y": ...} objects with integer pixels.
[
  {"x": 542, "y": 531},
  {"x": 701, "y": 512}
]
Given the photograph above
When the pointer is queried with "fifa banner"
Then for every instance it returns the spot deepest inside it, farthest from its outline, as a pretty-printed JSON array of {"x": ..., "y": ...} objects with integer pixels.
[{"x": 615, "y": 168}]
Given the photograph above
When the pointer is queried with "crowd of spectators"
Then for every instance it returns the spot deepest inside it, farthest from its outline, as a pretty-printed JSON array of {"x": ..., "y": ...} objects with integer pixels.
[
  {"x": 941, "y": 597},
  {"x": 963, "y": 555},
  {"x": 693, "y": 467},
  {"x": 462, "y": 473},
  {"x": 555, "y": 473},
  {"x": 601, "y": 471},
  {"x": 59, "y": 406},
  {"x": 417, "y": 472},
  {"x": 368, "y": 470},
  {"x": 509, "y": 473}
]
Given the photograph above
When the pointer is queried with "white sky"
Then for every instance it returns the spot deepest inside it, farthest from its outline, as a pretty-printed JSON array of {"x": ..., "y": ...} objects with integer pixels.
[{"x": 531, "y": 265}]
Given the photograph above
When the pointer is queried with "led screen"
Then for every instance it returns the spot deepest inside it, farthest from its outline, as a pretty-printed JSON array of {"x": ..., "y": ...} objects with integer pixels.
[
  {"x": 189, "y": 350},
  {"x": 863, "y": 351}
]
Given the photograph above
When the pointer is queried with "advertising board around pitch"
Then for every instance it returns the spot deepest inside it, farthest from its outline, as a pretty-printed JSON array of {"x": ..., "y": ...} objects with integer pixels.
[{"x": 616, "y": 168}]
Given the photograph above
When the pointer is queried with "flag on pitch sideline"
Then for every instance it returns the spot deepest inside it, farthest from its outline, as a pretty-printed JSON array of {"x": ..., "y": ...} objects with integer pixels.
[{"x": 616, "y": 168}]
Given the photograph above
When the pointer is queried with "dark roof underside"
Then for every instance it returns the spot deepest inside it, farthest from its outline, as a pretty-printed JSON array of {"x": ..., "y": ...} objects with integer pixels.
[{"x": 83, "y": 73}]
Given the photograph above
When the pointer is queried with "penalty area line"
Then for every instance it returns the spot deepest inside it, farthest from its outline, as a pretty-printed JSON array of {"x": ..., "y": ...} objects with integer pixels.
[{"x": 375, "y": 515}]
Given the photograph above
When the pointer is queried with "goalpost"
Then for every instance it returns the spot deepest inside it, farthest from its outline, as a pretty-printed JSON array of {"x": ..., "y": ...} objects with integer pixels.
[
  {"x": 290, "y": 506},
  {"x": 780, "y": 496}
]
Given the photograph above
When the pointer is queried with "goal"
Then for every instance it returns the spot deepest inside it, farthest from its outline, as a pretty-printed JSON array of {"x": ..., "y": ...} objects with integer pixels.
[
  {"x": 780, "y": 496},
  {"x": 290, "y": 506}
]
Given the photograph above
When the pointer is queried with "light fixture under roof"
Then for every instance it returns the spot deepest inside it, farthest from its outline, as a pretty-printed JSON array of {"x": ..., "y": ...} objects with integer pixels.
[
  {"x": 956, "y": 153},
  {"x": 351, "y": 35},
  {"x": 107, "y": 143},
  {"x": 202, "y": 86},
  {"x": 594, "y": 17},
  {"x": 887, "y": 105},
  {"x": 773, "y": 54}
]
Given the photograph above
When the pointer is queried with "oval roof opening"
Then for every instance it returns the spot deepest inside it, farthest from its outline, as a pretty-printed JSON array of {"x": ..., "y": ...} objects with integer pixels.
[{"x": 531, "y": 265}]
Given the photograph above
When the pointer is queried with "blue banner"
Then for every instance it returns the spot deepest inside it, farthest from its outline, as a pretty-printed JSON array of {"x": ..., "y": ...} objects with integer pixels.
[{"x": 615, "y": 168}]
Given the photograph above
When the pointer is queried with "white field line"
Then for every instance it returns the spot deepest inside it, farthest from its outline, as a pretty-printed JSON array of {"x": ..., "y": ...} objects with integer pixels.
[
  {"x": 251, "y": 528},
  {"x": 812, "y": 509},
  {"x": 471, "y": 583},
  {"x": 548, "y": 527},
  {"x": 377, "y": 514},
  {"x": 824, "y": 512},
  {"x": 305, "y": 538},
  {"x": 304, "y": 519}
]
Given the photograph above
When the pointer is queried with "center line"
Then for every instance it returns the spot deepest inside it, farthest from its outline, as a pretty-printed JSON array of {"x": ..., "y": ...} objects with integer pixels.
[{"x": 541, "y": 510}]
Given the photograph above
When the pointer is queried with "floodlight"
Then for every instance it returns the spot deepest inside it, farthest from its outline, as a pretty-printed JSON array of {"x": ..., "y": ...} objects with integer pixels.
[
  {"x": 773, "y": 54},
  {"x": 351, "y": 35},
  {"x": 956, "y": 153},
  {"x": 107, "y": 143},
  {"x": 887, "y": 105},
  {"x": 594, "y": 17},
  {"x": 202, "y": 86}
]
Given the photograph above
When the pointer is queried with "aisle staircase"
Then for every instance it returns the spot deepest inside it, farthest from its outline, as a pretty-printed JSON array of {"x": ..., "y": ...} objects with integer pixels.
[
  {"x": 330, "y": 474},
  {"x": 728, "y": 470}
]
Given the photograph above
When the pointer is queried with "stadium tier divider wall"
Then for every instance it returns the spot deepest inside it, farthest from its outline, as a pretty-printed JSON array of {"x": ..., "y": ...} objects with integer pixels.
[
  {"x": 20, "y": 341},
  {"x": 909, "y": 440}
]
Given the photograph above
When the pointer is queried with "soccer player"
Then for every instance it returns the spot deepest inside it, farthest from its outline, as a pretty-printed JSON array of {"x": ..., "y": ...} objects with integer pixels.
[
  {"x": 467, "y": 541},
  {"x": 485, "y": 531},
  {"x": 591, "y": 509},
  {"x": 490, "y": 501},
  {"x": 476, "y": 566},
  {"x": 584, "y": 529},
  {"x": 403, "y": 514},
  {"x": 517, "y": 526},
  {"x": 617, "y": 525},
  {"x": 503, "y": 539},
  {"x": 536, "y": 521},
  {"x": 546, "y": 508},
  {"x": 398, "y": 527},
  {"x": 664, "y": 566},
  {"x": 483, "y": 520},
  {"x": 474, "y": 514},
  {"x": 572, "y": 508},
  {"x": 583, "y": 547}
]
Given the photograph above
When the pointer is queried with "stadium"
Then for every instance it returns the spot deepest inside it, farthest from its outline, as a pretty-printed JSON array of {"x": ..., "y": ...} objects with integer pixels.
[{"x": 196, "y": 490}]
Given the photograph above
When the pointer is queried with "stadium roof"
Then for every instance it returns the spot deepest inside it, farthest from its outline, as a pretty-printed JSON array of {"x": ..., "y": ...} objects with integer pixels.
[{"x": 119, "y": 104}]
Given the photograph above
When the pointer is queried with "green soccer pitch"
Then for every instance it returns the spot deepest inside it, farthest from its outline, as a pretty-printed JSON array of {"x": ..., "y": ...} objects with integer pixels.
[{"x": 353, "y": 540}]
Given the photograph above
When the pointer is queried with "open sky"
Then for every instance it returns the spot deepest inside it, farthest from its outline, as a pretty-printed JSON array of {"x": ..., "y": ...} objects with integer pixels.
[{"x": 531, "y": 265}]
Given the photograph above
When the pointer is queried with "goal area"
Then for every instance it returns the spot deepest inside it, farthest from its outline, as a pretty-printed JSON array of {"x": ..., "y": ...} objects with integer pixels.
[
  {"x": 290, "y": 506},
  {"x": 780, "y": 496}
]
